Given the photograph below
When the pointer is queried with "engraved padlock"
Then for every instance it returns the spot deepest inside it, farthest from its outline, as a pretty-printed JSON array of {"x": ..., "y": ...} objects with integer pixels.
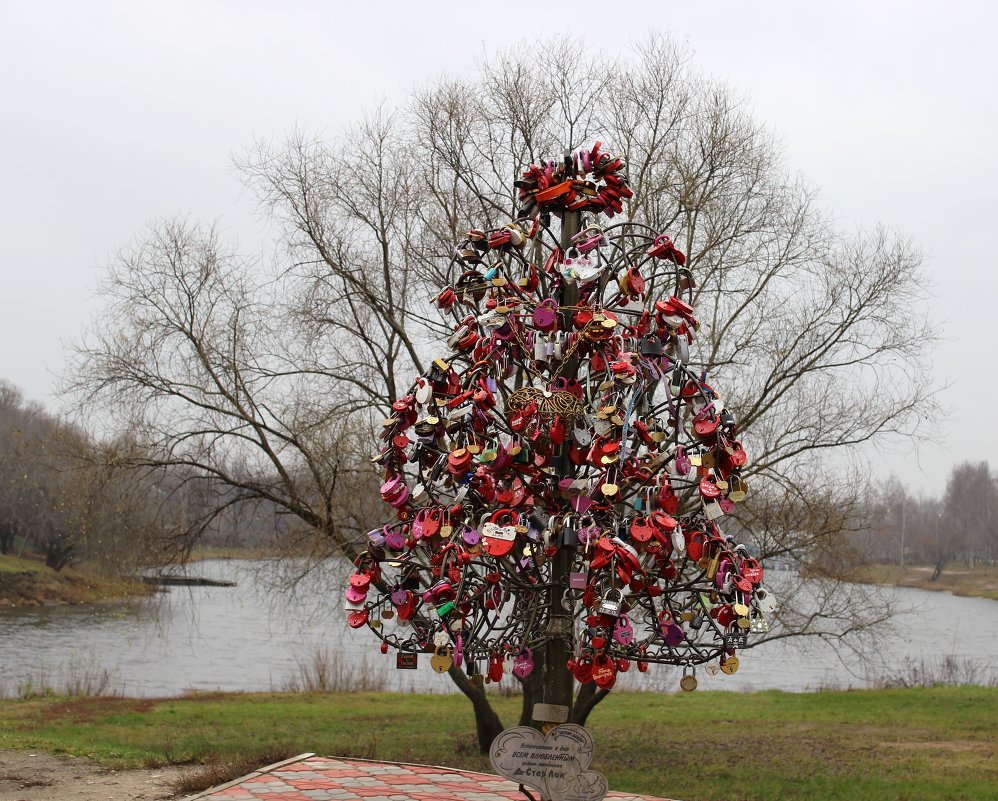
[{"x": 610, "y": 605}]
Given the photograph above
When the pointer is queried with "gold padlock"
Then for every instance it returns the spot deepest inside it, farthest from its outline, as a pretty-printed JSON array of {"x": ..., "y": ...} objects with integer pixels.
[
  {"x": 441, "y": 660},
  {"x": 688, "y": 683},
  {"x": 713, "y": 564}
]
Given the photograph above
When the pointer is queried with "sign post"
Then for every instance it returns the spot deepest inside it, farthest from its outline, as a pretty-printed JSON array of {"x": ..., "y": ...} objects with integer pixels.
[{"x": 557, "y": 764}]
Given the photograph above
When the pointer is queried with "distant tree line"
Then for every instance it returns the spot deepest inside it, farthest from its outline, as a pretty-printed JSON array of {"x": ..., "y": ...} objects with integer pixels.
[
  {"x": 69, "y": 497},
  {"x": 959, "y": 526}
]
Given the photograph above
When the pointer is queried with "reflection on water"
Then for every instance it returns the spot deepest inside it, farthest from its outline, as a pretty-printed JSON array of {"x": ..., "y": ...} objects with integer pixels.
[{"x": 248, "y": 638}]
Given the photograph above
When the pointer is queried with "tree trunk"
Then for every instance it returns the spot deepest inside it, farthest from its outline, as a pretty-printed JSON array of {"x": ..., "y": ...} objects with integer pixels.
[
  {"x": 7, "y": 536},
  {"x": 57, "y": 556},
  {"x": 558, "y": 683},
  {"x": 533, "y": 689},
  {"x": 586, "y": 700},
  {"x": 487, "y": 722}
]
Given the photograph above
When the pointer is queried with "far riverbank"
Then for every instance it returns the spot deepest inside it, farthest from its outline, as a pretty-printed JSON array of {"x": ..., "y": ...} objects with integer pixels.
[
  {"x": 978, "y": 581},
  {"x": 28, "y": 582}
]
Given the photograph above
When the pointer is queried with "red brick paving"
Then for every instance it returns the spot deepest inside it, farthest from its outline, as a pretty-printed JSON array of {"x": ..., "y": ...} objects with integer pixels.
[{"x": 316, "y": 778}]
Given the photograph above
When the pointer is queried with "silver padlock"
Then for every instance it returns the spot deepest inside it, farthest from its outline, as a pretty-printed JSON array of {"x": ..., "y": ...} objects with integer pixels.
[
  {"x": 540, "y": 349},
  {"x": 765, "y": 601},
  {"x": 611, "y": 606}
]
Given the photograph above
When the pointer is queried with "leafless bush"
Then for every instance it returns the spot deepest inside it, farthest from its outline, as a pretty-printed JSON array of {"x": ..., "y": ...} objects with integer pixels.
[
  {"x": 73, "y": 680},
  {"x": 324, "y": 670},
  {"x": 951, "y": 671}
]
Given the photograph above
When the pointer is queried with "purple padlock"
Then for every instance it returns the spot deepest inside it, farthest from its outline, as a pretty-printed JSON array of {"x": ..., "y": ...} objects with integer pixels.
[
  {"x": 470, "y": 536},
  {"x": 588, "y": 534},
  {"x": 400, "y": 595},
  {"x": 673, "y": 634},
  {"x": 545, "y": 315}
]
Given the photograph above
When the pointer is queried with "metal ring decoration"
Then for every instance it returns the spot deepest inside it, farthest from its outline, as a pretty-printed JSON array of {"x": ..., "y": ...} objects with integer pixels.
[{"x": 475, "y": 454}]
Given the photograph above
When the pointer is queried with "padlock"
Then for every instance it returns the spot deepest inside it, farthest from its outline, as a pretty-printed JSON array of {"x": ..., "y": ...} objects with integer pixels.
[
  {"x": 610, "y": 606},
  {"x": 765, "y": 601},
  {"x": 441, "y": 660},
  {"x": 569, "y": 534},
  {"x": 651, "y": 346},
  {"x": 604, "y": 672},
  {"x": 523, "y": 664},
  {"x": 623, "y": 631},
  {"x": 688, "y": 682}
]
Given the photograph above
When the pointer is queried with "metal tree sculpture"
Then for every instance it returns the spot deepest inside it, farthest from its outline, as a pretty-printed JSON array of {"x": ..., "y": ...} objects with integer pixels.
[{"x": 558, "y": 480}]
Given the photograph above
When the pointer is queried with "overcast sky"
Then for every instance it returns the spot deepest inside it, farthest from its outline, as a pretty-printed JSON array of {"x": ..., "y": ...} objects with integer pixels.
[{"x": 115, "y": 114}]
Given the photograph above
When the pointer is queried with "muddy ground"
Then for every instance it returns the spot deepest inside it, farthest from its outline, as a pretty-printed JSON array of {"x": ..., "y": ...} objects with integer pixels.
[{"x": 31, "y": 776}]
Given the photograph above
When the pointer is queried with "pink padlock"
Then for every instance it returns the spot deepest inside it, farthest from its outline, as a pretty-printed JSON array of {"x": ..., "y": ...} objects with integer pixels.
[
  {"x": 355, "y": 596},
  {"x": 401, "y": 499},
  {"x": 683, "y": 464},
  {"x": 523, "y": 664},
  {"x": 623, "y": 631},
  {"x": 418, "y": 523},
  {"x": 394, "y": 539},
  {"x": 392, "y": 486},
  {"x": 545, "y": 315},
  {"x": 588, "y": 239}
]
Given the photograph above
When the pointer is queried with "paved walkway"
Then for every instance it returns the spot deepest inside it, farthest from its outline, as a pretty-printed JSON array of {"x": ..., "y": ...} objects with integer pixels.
[{"x": 312, "y": 778}]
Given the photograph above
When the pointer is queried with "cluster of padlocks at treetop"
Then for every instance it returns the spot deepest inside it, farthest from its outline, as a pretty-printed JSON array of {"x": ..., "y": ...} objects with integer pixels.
[{"x": 552, "y": 428}]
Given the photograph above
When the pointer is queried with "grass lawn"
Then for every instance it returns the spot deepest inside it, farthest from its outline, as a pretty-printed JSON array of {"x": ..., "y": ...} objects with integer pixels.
[{"x": 869, "y": 745}]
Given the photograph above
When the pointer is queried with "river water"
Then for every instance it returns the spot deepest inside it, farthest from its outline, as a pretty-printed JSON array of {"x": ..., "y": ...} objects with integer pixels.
[{"x": 252, "y": 637}]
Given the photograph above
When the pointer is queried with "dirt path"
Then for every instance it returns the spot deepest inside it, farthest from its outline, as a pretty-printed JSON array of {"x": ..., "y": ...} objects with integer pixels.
[{"x": 31, "y": 776}]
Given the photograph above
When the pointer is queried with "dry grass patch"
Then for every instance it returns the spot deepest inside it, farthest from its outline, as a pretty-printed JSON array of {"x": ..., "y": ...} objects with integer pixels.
[{"x": 226, "y": 769}]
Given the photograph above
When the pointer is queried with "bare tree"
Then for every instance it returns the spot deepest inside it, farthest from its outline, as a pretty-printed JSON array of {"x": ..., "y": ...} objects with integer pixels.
[
  {"x": 272, "y": 381},
  {"x": 57, "y": 498},
  {"x": 967, "y": 516}
]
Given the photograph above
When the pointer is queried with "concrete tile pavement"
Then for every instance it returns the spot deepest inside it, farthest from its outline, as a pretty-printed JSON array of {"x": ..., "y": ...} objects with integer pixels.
[{"x": 313, "y": 778}]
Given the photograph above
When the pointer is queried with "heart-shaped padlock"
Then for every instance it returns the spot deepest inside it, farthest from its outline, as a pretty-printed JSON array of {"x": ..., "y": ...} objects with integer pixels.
[{"x": 523, "y": 664}]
